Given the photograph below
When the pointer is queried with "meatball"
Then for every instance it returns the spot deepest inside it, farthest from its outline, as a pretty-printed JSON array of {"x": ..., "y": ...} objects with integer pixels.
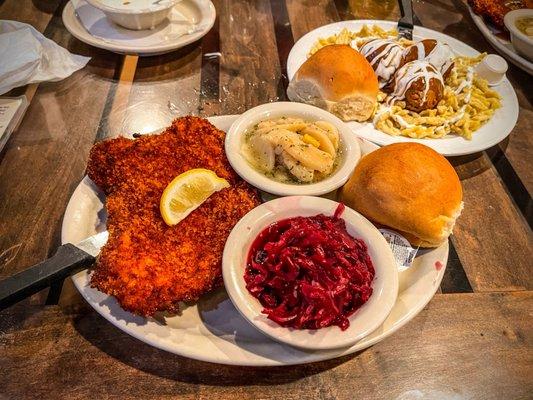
[
  {"x": 436, "y": 53},
  {"x": 419, "y": 84},
  {"x": 384, "y": 56}
]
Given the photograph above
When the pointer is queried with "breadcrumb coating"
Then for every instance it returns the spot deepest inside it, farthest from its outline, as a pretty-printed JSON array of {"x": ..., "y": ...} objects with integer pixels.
[{"x": 147, "y": 265}]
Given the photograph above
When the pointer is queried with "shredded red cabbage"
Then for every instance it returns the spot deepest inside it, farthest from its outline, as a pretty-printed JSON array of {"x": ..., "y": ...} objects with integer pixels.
[{"x": 308, "y": 272}]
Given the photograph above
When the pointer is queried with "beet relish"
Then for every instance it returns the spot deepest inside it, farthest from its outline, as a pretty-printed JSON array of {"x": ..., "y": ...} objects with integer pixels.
[{"x": 308, "y": 272}]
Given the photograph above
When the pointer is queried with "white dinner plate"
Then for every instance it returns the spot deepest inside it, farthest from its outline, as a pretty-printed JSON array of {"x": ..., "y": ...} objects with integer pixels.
[
  {"x": 202, "y": 12},
  {"x": 212, "y": 329},
  {"x": 493, "y": 132},
  {"x": 501, "y": 44}
]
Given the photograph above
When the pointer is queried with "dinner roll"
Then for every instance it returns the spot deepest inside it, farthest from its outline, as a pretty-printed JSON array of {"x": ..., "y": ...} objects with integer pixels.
[
  {"x": 410, "y": 188},
  {"x": 339, "y": 79}
]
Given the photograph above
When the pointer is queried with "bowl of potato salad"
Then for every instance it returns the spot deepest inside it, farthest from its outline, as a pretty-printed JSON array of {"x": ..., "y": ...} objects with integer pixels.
[{"x": 289, "y": 148}]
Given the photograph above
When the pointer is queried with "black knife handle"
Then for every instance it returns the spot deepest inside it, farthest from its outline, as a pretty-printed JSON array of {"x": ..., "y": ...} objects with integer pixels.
[
  {"x": 67, "y": 260},
  {"x": 406, "y": 11}
]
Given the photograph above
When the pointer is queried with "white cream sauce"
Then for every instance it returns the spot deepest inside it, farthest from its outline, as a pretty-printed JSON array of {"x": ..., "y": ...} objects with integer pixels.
[
  {"x": 466, "y": 83},
  {"x": 137, "y": 5},
  {"x": 381, "y": 110},
  {"x": 410, "y": 73},
  {"x": 398, "y": 118},
  {"x": 441, "y": 56},
  {"x": 386, "y": 61},
  {"x": 402, "y": 122}
]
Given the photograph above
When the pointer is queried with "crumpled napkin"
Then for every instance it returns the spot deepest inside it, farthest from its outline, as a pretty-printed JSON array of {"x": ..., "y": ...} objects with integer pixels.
[
  {"x": 26, "y": 56},
  {"x": 181, "y": 22}
]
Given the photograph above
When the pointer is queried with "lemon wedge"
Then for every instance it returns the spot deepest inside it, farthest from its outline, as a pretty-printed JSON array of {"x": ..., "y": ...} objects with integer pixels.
[{"x": 187, "y": 192}]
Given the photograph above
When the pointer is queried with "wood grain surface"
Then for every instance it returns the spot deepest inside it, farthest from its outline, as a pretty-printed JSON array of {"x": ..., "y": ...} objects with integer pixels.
[
  {"x": 78, "y": 355},
  {"x": 491, "y": 216},
  {"x": 45, "y": 158},
  {"x": 472, "y": 343},
  {"x": 34, "y": 12},
  {"x": 42, "y": 164}
]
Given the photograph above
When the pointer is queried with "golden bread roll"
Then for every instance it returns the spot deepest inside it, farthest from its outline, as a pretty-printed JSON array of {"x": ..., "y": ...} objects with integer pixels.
[
  {"x": 410, "y": 188},
  {"x": 339, "y": 79}
]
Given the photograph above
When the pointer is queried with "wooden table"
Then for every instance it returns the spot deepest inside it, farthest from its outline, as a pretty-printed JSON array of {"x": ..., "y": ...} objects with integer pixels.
[{"x": 474, "y": 339}]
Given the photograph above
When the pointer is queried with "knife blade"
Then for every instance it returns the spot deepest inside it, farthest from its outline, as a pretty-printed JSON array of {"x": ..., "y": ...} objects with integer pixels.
[
  {"x": 405, "y": 24},
  {"x": 67, "y": 260}
]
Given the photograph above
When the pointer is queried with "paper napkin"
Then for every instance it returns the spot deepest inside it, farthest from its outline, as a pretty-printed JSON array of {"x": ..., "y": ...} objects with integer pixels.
[{"x": 26, "y": 56}]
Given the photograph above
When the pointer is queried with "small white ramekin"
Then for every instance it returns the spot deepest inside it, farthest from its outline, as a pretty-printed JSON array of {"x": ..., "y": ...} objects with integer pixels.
[
  {"x": 350, "y": 152},
  {"x": 139, "y": 16},
  {"x": 492, "y": 68},
  {"x": 363, "y": 322},
  {"x": 522, "y": 43}
]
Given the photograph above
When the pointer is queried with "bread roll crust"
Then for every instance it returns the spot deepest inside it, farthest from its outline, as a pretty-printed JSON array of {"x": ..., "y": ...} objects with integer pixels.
[
  {"x": 408, "y": 187},
  {"x": 339, "y": 79}
]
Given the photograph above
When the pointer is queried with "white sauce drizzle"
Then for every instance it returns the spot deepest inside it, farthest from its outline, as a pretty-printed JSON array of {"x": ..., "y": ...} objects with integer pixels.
[
  {"x": 441, "y": 56},
  {"x": 386, "y": 61},
  {"x": 460, "y": 114},
  {"x": 402, "y": 122},
  {"x": 466, "y": 83},
  {"x": 408, "y": 74},
  {"x": 381, "y": 110},
  {"x": 399, "y": 119}
]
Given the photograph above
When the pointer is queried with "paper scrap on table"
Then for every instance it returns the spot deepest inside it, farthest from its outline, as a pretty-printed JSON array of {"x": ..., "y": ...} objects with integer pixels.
[
  {"x": 26, "y": 56},
  {"x": 180, "y": 23},
  {"x": 402, "y": 250},
  {"x": 8, "y": 109},
  {"x": 11, "y": 112}
]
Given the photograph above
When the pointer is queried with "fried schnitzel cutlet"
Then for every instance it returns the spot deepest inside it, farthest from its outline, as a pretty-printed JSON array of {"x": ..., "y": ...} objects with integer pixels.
[{"x": 147, "y": 265}]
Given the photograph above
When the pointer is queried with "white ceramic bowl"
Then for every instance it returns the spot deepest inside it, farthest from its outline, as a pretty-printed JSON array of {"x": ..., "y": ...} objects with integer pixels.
[
  {"x": 364, "y": 321},
  {"x": 522, "y": 43},
  {"x": 135, "y": 14},
  {"x": 350, "y": 152}
]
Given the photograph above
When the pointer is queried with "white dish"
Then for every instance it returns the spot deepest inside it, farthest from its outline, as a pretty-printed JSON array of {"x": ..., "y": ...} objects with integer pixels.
[
  {"x": 488, "y": 135},
  {"x": 500, "y": 43},
  {"x": 492, "y": 68},
  {"x": 364, "y": 321},
  {"x": 522, "y": 43},
  {"x": 135, "y": 14},
  {"x": 350, "y": 153},
  {"x": 212, "y": 329},
  {"x": 163, "y": 39}
]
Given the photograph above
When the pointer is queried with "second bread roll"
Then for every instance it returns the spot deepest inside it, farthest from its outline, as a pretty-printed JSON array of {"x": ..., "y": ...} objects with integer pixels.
[{"x": 339, "y": 79}]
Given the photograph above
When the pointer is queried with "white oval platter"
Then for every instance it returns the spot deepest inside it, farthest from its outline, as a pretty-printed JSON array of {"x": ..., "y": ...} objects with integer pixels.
[
  {"x": 212, "y": 329},
  {"x": 493, "y": 132}
]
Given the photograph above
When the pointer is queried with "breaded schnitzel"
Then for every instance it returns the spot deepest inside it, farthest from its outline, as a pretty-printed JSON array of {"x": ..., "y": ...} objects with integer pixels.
[{"x": 147, "y": 265}]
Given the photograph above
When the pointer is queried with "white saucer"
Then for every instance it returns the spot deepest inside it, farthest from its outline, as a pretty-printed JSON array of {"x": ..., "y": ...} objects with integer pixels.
[{"x": 201, "y": 11}]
